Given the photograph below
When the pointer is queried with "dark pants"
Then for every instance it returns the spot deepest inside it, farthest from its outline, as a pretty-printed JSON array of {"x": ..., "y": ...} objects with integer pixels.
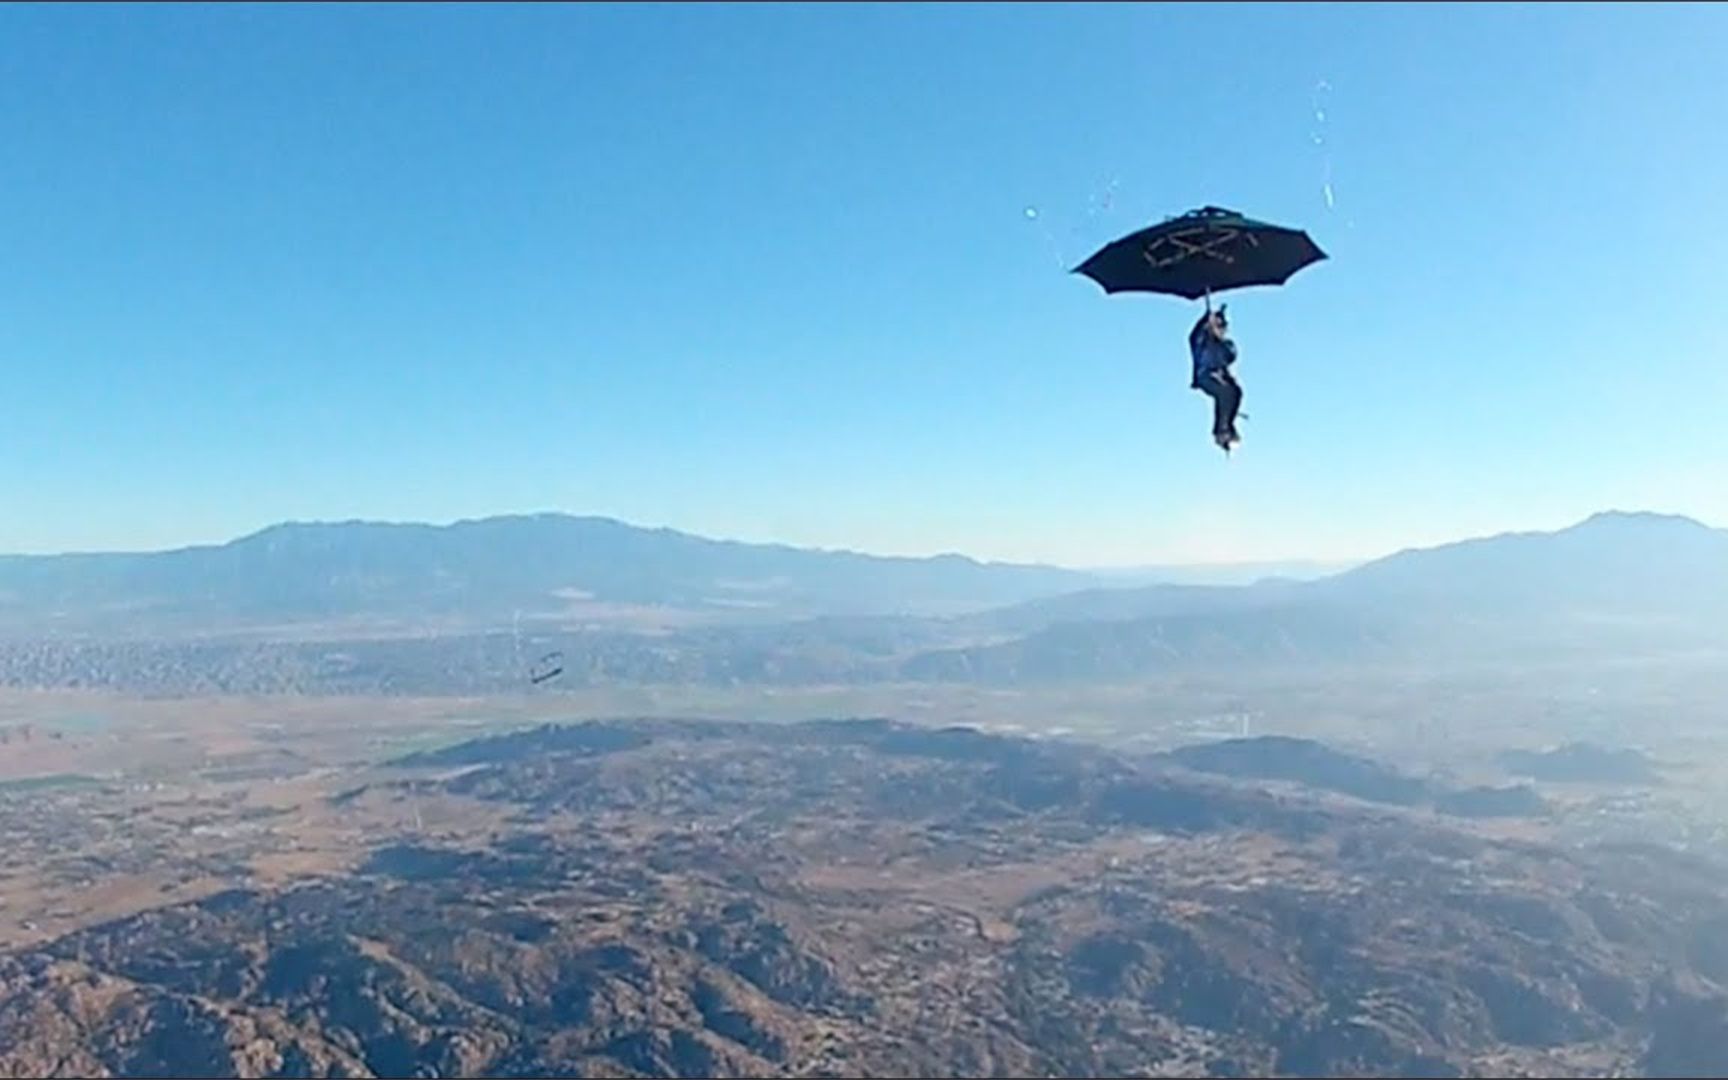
[{"x": 1226, "y": 395}]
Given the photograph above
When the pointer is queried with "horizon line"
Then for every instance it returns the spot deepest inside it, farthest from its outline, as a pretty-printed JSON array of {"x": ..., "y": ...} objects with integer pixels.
[{"x": 1331, "y": 564}]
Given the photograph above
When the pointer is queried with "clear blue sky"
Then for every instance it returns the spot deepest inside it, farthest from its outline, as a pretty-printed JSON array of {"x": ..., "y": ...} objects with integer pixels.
[{"x": 767, "y": 272}]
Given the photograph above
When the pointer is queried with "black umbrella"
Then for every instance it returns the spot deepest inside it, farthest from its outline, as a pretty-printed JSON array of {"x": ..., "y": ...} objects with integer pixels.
[{"x": 1201, "y": 252}]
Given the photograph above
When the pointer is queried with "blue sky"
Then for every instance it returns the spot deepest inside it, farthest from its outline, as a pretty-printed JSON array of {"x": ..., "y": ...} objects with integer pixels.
[{"x": 768, "y": 272}]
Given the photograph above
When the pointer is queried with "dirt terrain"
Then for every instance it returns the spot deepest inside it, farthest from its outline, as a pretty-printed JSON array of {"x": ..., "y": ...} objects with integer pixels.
[{"x": 843, "y": 898}]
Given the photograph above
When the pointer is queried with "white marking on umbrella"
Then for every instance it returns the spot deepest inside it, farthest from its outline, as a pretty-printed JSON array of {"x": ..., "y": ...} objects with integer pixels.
[{"x": 1188, "y": 250}]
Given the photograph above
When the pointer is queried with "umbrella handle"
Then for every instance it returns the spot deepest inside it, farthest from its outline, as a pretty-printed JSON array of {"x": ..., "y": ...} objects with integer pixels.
[{"x": 1208, "y": 301}]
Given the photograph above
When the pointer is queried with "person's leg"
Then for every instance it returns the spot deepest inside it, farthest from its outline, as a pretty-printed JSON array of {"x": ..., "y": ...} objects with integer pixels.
[
  {"x": 1219, "y": 392},
  {"x": 1210, "y": 385},
  {"x": 1230, "y": 403}
]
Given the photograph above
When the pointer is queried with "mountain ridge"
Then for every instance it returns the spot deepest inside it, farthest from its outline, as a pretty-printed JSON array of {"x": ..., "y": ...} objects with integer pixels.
[
  {"x": 1596, "y": 519},
  {"x": 492, "y": 568},
  {"x": 631, "y": 606}
]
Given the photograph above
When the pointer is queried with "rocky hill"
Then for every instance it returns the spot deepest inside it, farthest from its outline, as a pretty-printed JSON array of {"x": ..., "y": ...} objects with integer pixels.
[{"x": 861, "y": 898}]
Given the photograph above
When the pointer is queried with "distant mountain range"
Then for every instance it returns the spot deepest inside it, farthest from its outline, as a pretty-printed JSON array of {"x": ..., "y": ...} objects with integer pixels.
[
  {"x": 576, "y": 569},
  {"x": 1617, "y": 565},
  {"x": 1622, "y": 582},
  {"x": 1239, "y": 573},
  {"x": 1610, "y": 564},
  {"x": 413, "y": 606}
]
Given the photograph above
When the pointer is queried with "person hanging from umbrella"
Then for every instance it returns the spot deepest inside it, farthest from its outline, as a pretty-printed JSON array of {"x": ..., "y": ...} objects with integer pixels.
[
  {"x": 1213, "y": 352},
  {"x": 1193, "y": 256}
]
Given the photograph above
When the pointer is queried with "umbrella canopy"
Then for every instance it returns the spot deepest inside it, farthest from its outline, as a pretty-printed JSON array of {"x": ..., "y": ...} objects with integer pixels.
[{"x": 1204, "y": 251}]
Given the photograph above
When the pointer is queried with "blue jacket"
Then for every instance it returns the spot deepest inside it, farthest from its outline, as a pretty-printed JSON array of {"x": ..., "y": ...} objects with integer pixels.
[{"x": 1210, "y": 353}]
